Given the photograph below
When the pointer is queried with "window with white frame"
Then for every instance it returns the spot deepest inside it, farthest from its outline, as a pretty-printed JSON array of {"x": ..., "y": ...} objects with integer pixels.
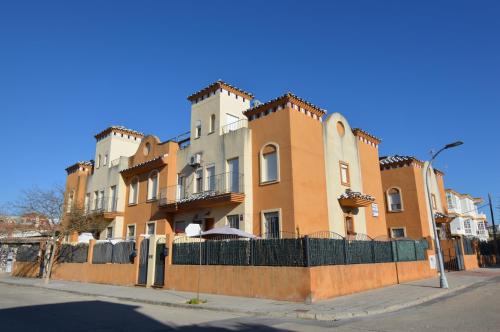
[
  {"x": 197, "y": 129},
  {"x": 210, "y": 175},
  {"x": 109, "y": 233},
  {"x": 344, "y": 174},
  {"x": 271, "y": 224},
  {"x": 434, "y": 202},
  {"x": 233, "y": 221},
  {"x": 87, "y": 202},
  {"x": 481, "y": 229},
  {"x": 467, "y": 226},
  {"x": 105, "y": 160},
  {"x": 450, "y": 200},
  {"x": 269, "y": 163},
  {"x": 96, "y": 200},
  {"x": 181, "y": 186},
  {"x": 133, "y": 191},
  {"x": 394, "y": 201},
  {"x": 150, "y": 228},
  {"x": 212, "y": 123},
  {"x": 130, "y": 232},
  {"x": 100, "y": 205},
  {"x": 113, "y": 200},
  {"x": 198, "y": 180},
  {"x": 98, "y": 162},
  {"x": 398, "y": 232},
  {"x": 153, "y": 185}
]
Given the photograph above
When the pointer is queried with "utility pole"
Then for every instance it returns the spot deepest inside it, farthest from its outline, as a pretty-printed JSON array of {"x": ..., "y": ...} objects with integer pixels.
[
  {"x": 495, "y": 243},
  {"x": 492, "y": 217}
]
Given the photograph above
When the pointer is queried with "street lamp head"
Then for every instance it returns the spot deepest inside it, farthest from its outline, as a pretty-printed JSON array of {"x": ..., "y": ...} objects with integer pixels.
[{"x": 454, "y": 144}]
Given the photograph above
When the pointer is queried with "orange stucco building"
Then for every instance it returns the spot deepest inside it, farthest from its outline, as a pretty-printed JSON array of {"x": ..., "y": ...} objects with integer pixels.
[{"x": 408, "y": 210}]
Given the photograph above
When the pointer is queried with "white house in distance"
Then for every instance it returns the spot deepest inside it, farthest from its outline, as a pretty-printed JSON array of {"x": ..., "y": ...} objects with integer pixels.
[{"x": 467, "y": 221}]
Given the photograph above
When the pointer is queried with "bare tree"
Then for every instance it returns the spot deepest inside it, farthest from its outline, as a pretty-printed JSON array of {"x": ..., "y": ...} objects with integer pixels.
[{"x": 49, "y": 203}]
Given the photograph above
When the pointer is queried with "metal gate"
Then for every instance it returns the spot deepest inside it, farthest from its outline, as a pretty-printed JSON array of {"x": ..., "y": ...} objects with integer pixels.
[
  {"x": 459, "y": 254},
  {"x": 160, "y": 263},
  {"x": 143, "y": 262},
  {"x": 453, "y": 258}
]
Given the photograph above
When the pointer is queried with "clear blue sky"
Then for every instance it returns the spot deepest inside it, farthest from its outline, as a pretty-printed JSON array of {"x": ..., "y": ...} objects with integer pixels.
[{"x": 417, "y": 75}]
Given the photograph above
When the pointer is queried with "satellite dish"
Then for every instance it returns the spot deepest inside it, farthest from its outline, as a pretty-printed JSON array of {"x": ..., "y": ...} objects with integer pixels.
[
  {"x": 193, "y": 230},
  {"x": 255, "y": 103}
]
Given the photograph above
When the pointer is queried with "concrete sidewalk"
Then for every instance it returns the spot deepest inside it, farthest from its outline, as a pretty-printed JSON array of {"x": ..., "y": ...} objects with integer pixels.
[{"x": 377, "y": 301}]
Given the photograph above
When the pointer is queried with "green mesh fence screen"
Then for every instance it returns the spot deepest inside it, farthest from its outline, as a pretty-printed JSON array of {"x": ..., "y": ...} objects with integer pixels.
[
  {"x": 326, "y": 252},
  {"x": 103, "y": 253},
  {"x": 382, "y": 251},
  {"x": 359, "y": 252},
  {"x": 404, "y": 250},
  {"x": 278, "y": 252}
]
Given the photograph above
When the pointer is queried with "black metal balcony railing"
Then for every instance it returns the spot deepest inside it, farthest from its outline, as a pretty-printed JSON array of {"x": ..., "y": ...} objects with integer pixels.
[
  {"x": 104, "y": 204},
  {"x": 202, "y": 188}
]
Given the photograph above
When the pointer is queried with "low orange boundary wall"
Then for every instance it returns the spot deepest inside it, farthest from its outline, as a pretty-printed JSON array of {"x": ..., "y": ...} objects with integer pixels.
[
  {"x": 471, "y": 262},
  {"x": 113, "y": 274},
  {"x": 293, "y": 283}
]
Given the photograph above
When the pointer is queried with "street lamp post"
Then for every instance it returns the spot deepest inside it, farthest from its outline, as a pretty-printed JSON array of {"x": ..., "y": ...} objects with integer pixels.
[{"x": 443, "y": 282}]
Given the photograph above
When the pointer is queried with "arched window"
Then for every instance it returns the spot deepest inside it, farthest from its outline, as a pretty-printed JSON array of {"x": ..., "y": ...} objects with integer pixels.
[
  {"x": 394, "y": 201},
  {"x": 269, "y": 163},
  {"x": 98, "y": 164},
  {"x": 134, "y": 191},
  {"x": 153, "y": 185},
  {"x": 212, "y": 123}
]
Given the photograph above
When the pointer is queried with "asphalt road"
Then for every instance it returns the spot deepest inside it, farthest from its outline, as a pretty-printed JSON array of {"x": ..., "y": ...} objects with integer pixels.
[{"x": 28, "y": 308}]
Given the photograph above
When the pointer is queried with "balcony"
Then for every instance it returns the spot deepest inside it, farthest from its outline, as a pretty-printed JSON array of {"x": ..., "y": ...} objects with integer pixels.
[
  {"x": 207, "y": 192},
  {"x": 354, "y": 199},
  {"x": 242, "y": 123},
  {"x": 105, "y": 206}
]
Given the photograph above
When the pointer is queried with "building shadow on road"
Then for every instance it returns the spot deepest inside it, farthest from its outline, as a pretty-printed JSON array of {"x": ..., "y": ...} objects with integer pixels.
[{"x": 99, "y": 316}]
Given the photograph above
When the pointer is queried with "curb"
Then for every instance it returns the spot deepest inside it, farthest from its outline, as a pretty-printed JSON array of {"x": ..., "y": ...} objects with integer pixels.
[{"x": 296, "y": 315}]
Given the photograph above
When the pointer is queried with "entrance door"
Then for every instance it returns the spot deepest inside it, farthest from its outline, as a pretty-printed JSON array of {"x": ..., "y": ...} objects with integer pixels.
[
  {"x": 143, "y": 262},
  {"x": 160, "y": 265}
]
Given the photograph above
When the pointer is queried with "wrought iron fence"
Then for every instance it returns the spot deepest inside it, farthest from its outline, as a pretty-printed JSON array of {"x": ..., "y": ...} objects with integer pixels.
[
  {"x": 323, "y": 248},
  {"x": 205, "y": 187}
]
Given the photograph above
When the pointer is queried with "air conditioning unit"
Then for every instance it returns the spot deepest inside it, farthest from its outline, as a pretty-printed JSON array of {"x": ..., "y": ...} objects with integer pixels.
[{"x": 195, "y": 160}]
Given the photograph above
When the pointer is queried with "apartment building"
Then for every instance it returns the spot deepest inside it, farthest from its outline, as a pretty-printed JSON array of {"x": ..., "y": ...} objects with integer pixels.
[
  {"x": 97, "y": 186},
  {"x": 408, "y": 212},
  {"x": 464, "y": 215},
  {"x": 270, "y": 169}
]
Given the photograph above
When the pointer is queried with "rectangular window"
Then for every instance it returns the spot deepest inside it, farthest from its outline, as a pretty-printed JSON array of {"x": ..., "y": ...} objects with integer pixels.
[
  {"x": 467, "y": 227},
  {"x": 96, "y": 200},
  {"x": 349, "y": 225},
  {"x": 101, "y": 199},
  {"x": 450, "y": 200},
  {"x": 197, "y": 129},
  {"x": 233, "y": 221},
  {"x": 398, "y": 233},
  {"x": 134, "y": 191},
  {"x": 150, "y": 228},
  {"x": 181, "y": 187},
  {"x": 105, "y": 161},
  {"x": 233, "y": 166},
  {"x": 180, "y": 227},
  {"x": 113, "y": 199},
  {"x": 210, "y": 178},
  {"x": 270, "y": 164},
  {"x": 344, "y": 174},
  {"x": 434, "y": 202},
  {"x": 198, "y": 181},
  {"x": 109, "y": 233},
  {"x": 272, "y": 225},
  {"x": 87, "y": 202},
  {"x": 130, "y": 232}
]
